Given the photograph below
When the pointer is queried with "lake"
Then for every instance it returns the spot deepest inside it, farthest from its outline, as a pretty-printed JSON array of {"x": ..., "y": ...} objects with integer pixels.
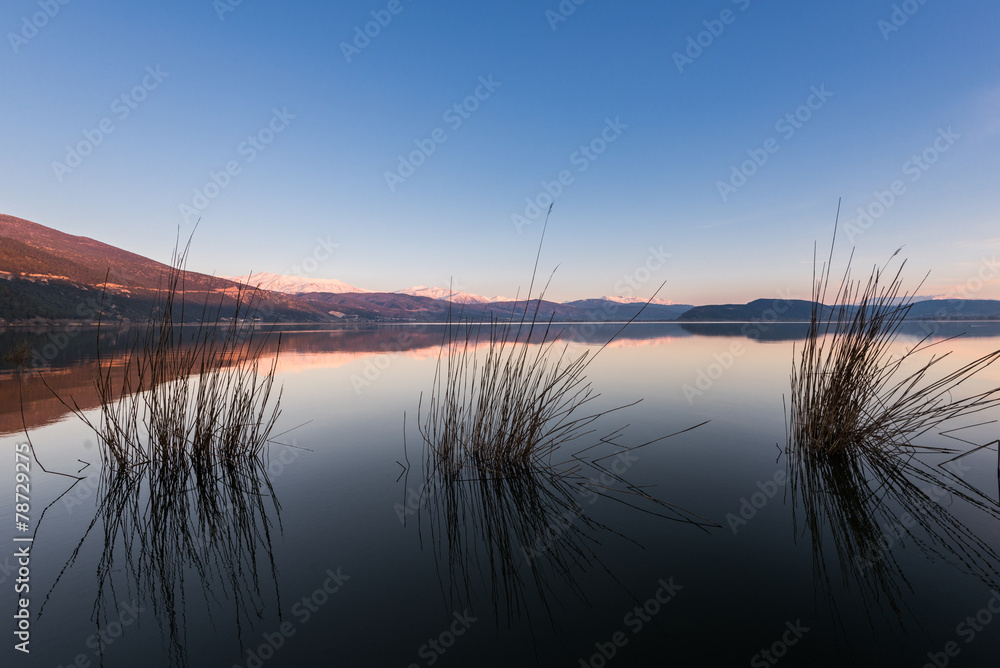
[{"x": 342, "y": 555}]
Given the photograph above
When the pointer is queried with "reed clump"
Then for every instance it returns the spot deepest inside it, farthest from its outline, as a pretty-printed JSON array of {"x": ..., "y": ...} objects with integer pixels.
[
  {"x": 511, "y": 408},
  {"x": 860, "y": 400},
  {"x": 173, "y": 392},
  {"x": 186, "y": 413},
  {"x": 853, "y": 393},
  {"x": 501, "y": 470}
]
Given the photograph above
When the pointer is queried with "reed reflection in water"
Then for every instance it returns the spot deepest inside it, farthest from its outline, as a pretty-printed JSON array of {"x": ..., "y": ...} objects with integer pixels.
[{"x": 175, "y": 535}]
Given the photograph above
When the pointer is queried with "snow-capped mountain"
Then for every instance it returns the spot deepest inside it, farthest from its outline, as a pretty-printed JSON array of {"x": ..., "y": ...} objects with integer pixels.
[
  {"x": 297, "y": 285},
  {"x": 636, "y": 300},
  {"x": 294, "y": 285},
  {"x": 450, "y": 295}
]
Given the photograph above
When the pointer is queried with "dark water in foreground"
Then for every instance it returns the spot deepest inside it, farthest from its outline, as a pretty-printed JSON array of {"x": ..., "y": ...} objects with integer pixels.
[{"x": 351, "y": 564}]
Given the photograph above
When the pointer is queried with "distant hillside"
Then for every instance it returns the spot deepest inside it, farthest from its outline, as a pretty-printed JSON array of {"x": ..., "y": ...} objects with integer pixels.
[
  {"x": 786, "y": 310},
  {"x": 52, "y": 275},
  {"x": 797, "y": 310},
  {"x": 379, "y": 306},
  {"x": 396, "y": 306},
  {"x": 956, "y": 309},
  {"x": 22, "y": 300},
  {"x": 30, "y": 250}
]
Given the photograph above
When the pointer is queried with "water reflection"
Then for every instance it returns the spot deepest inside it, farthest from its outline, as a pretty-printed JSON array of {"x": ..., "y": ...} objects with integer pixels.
[
  {"x": 872, "y": 509},
  {"x": 520, "y": 542},
  {"x": 175, "y": 536},
  {"x": 798, "y": 331},
  {"x": 759, "y": 331},
  {"x": 69, "y": 371},
  {"x": 66, "y": 360},
  {"x": 529, "y": 541},
  {"x": 508, "y": 532}
]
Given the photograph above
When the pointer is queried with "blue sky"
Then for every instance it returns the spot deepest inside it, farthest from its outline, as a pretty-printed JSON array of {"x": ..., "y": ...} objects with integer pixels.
[{"x": 645, "y": 140}]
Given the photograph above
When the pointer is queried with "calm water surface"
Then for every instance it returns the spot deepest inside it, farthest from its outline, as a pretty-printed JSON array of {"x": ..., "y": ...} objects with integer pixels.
[{"x": 356, "y": 562}]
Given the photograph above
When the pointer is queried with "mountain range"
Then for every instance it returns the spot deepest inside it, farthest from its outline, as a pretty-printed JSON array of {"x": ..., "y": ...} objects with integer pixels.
[
  {"x": 298, "y": 285},
  {"x": 798, "y": 310},
  {"x": 291, "y": 285},
  {"x": 49, "y": 275}
]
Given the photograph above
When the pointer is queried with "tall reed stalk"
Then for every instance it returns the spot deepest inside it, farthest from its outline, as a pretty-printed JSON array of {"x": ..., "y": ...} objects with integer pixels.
[
  {"x": 500, "y": 473},
  {"x": 859, "y": 402},
  {"x": 172, "y": 391},
  {"x": 511, "y": 408},
  {"x": 852, "y": 393}
]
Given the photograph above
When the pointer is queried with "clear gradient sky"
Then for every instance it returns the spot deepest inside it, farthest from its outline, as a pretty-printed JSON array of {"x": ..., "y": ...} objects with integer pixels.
[{"x": 892, "y": 85}]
